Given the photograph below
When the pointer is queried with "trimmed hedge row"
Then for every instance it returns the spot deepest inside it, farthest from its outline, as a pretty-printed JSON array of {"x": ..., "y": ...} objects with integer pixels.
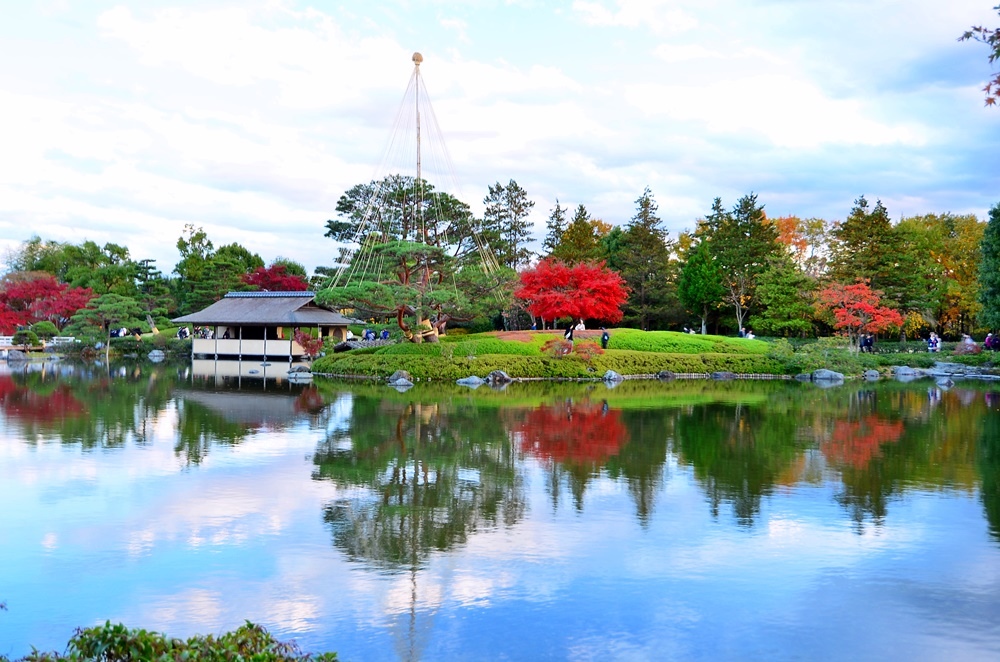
[{"x": 622, "y": 362}]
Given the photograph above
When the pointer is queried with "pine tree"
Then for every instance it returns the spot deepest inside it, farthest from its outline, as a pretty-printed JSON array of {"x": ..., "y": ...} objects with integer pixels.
[
  {"x": 555, "y": 227},
  {"x": 742, "y": 242},
  {"x": 862, "y": 246},
  {"x": 700, "y": 285},
  {"x": 784, "y": 294},
  {"x": 580, "y": 241},
  {"x": 643, "y": 261},
  {"x": 989, "y": 271},
  {"x": 505, "y": 223}
]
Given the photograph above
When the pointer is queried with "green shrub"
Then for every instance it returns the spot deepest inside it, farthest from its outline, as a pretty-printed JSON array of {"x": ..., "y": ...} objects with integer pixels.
[
  {"x": 25, "y": 338},
  {"x": 45, "y": 329},
  {"x": 115, "y": 642}
]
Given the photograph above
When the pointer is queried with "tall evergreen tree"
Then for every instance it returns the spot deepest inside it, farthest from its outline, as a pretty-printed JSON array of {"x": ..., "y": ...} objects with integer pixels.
[
  {"x": 700, "y": 284},
  {"x": 989, "y": 271},
  {"x": 863, "y": 246},
  {"x": 643, "y": 261},
  {"x": 785, "y": 297},
  {"x": 580, "y": 241},
  {"x": 505, "y": 223},
  {"x": 554, "y": 228},
  {"x": 742, "y": 242},
  {"x": 866, "y": 246}
]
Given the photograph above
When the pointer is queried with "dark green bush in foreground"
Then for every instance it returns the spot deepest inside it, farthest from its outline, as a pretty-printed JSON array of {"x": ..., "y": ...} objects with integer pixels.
[{"x": 117, "y": 643}]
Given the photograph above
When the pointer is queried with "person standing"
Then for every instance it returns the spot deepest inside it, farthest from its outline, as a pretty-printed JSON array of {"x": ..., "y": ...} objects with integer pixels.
[
  {"x": 605, "y": 337},
  {"x": 569, "y": 335}
]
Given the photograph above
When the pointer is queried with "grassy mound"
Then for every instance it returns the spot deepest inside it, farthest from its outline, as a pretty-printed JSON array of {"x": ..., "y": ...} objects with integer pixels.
[{"x": 518, "y": 353}]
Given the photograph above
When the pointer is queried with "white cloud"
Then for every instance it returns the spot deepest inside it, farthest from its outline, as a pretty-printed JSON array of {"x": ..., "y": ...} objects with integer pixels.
[
  {"x": 658, "y": 16},
  {"x": 251, "y": 119},
  {"x": 786, "y": 112}
]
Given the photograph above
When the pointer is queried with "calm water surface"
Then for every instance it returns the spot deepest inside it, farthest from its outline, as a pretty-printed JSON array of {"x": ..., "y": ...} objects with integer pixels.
[{"x": 687, "y": 520}]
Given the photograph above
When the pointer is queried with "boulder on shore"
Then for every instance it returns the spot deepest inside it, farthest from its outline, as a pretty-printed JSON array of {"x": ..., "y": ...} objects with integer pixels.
[
  {"x": 824, "y": 375},
  {"x": 16, "y": 356},
  {"x": 612, "y": 376},
  {"x": 665, "y": 375},
  {"x": 871, "y": 375},
  {"x": 498, "y": 378},
  {"x": 401, "y": 378},
  {"x": 471, "y": 382},
  {"x": 723, "y": 376}
]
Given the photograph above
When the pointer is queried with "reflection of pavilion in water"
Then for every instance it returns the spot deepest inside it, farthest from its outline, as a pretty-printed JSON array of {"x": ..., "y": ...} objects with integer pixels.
[
  {"x": 253, "y": 411},
  {"x": 254, "y": 373}
]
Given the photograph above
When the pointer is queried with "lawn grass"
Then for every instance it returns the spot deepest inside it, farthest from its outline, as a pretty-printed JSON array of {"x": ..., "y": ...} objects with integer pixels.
[{"x": 519, "y": 354}]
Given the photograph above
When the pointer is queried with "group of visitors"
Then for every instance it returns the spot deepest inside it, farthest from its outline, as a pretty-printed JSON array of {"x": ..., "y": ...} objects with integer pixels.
[
  {"x": 747, "y": 333},
  {"x": 866, "y": 343},
  {"x": 933, "y": 343},
  {"x": 568, "y": 335},
  {"x": 369, "y": 334}
]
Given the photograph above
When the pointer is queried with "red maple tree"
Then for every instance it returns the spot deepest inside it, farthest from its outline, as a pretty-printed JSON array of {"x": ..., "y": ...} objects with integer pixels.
[
  {"x": 31, "y": 297},
  {"x": 275, "y": 279},
  {"x": 310, "y": 344},
  {"x": 587, "y": 290},
  {"x": 857, "y": 309}
]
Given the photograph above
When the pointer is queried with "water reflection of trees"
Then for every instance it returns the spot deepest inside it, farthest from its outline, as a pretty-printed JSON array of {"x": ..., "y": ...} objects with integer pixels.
[
  {"x": 431, "y": 474},
  {"x": 96, "y": 407},
  {"x": 885, "y": 442},
  {"x": 90, "y": 406},
  {"x": 989, "y": 468},
  {"x": 579, "y": 440},
  {"x": 738, "y": 453},
  {"x": 574, "y": 439}
]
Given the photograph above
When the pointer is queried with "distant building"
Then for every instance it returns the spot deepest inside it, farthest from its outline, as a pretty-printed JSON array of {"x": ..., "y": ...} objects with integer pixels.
[{"x": 260, "y": 325}]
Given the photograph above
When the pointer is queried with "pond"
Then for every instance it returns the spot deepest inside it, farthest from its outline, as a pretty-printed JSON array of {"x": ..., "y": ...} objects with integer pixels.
[{"x": 690, "y": 520}]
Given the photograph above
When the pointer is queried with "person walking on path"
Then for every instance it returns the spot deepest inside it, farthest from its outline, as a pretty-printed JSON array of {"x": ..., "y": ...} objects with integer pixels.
[{"x": 605, "y": 337}]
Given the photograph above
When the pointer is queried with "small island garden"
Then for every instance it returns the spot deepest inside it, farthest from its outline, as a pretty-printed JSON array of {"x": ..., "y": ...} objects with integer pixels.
[{"x": 630, "y": 353}]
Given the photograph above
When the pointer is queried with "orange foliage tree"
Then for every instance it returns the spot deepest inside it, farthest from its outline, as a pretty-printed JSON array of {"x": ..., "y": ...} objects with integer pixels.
[
  {"x": 588, "y": 290},
  {"x": 857, "y": 309}
]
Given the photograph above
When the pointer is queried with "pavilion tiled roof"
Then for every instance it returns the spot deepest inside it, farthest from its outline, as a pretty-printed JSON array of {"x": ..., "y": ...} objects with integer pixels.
[{"x": 266, "y": 309}]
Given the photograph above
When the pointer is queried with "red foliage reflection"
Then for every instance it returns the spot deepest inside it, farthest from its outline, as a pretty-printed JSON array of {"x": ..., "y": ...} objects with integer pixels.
[
  {"x": 856, "y": 443},
  {"x": 21, "y": 403},
  {"x": 310, "y": 400},
  {"x": 569, "y": 433}
]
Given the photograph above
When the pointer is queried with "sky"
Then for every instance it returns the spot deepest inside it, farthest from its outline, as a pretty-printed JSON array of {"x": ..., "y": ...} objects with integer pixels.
[{"x": 123, "y": 122}]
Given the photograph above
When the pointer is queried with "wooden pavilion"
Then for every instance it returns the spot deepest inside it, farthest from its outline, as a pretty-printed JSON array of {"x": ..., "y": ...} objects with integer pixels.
[{"x": 261, "y": 324}]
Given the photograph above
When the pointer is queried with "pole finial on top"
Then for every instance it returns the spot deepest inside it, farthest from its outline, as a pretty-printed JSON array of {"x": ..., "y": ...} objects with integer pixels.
[{"x": 417, "y": 59}]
